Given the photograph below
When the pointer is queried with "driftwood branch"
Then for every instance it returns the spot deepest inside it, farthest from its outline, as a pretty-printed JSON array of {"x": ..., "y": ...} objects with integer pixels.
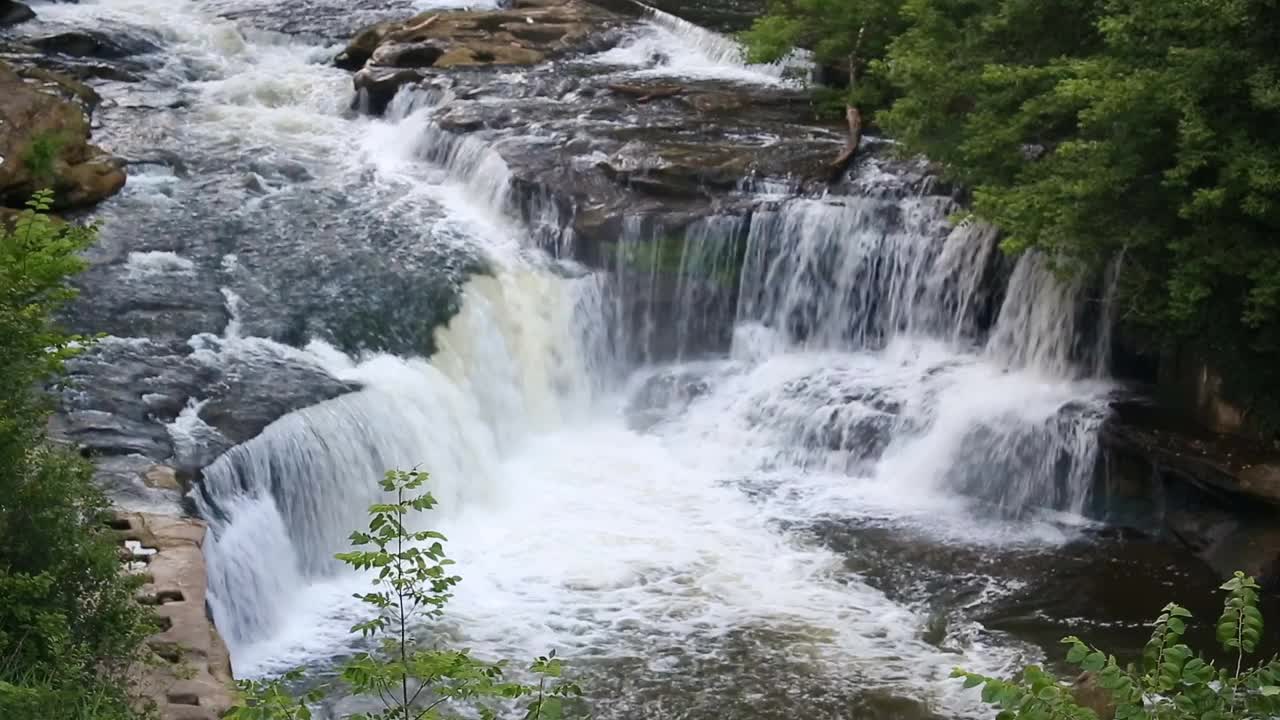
[
  {"x": 852, "y": 115},
  {"x": 409, "y": 32},
  {"x": 645, "y": 93}
]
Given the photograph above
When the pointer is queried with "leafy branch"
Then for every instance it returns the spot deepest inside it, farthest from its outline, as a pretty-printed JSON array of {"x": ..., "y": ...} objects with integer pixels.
[{"x": 1174, "y": 682}]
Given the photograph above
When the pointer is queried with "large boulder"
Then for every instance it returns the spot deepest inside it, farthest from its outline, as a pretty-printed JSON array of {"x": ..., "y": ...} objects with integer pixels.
[
  {"x": 40, "y": 126},
  {"x": 13, "y": 12},
  {"x": 85, "y": 43}
]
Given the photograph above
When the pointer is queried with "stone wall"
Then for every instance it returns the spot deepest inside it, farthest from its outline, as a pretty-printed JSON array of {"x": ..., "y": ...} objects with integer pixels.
[{"x": 190, "y": 678}]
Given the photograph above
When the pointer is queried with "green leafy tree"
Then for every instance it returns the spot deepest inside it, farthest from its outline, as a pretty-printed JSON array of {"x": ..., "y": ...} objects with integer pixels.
[
  {"x": 69, "y": 629},
  {"x": 1173, "y": 682},
  {"x": 1091, "y": 129},
  {"x": 412, "y": 678}
]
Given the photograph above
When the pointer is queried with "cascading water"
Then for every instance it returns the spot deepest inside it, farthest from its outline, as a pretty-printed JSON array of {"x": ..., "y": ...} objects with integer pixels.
[
  {"x": 855, "y": 359},
  {"x": 514, "y": 360},
  {"x": 911, "y": 366}
]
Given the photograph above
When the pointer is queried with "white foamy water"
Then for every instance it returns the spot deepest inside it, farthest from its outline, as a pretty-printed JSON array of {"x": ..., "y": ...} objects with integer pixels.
[
  {"x": 141, "y": 265},
  {"x": 870, "y": 374},
  {"x": 673, "y": 47}
]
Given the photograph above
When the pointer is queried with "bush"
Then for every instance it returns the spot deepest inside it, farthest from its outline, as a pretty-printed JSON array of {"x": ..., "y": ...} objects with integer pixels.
[
  {"x": 1173, "y": 683},
  {"x": 69, "y": 629}
]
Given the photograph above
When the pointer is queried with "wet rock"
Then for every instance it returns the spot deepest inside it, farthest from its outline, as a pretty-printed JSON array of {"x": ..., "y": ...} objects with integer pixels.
[
  {"x": 124, "y": 397},
  {"x": 1218, "y": 463},
  {"x": 13, "y": 12},
  {"x": 664, "y": 396},
  {"x": 108, "y": 433},
  {"x": 377, "y": 86},
  {"x": 162, "y": 477},
  {"x": 124, "y": 479},
  {"x": 36, "y": 119},
  {"x": 64, "y": 85},
  {"x": 246, "y": 401},
  {"x": 526, "y": 35},
  {"x": 1254, "y": 548},
  {"x": 91, "y": 181},
  {"x": 407, "y": 55},
  {"x": 86, "y": 43},
  {"x": 362, "y": 46}
]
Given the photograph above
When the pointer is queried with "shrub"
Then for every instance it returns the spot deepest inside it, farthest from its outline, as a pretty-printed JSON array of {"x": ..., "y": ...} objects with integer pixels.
[
  {"x": 1174, "y": 682},
  {"x": 69, "y": 628}
]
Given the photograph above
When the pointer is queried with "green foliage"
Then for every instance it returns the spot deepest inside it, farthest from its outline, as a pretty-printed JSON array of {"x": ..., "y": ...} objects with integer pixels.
[
  {"x": 845, "y": 37},
  {"x": 413, "y": 679},
  {"x": 1173, "y": 683},
  {"x": 1088, "y": 128},
  {"x": 42, "y": 154},
  {"x": 69, "y": 628}
]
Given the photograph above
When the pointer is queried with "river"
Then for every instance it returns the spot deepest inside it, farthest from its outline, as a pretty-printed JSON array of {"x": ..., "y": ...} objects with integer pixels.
[{"x": 885, "y": 470}]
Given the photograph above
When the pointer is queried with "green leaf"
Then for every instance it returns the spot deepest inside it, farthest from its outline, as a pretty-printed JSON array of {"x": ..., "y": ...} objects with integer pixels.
[
  {"x": 1094, "y": 661},
  {"x": 1077, "y": 653}
]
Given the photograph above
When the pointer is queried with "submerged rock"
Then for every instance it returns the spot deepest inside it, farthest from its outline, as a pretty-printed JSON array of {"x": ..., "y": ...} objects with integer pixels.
[
  {"x": 664, "y": 396},
  {"x": 36, "y": 119}
]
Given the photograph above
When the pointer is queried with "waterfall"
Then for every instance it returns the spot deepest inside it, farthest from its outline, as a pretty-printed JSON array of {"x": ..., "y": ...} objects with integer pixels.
[
  {"x": 856, "y": 272},
  {"x": 520, "y": 356},
  {"x": 919, "y": 357},
  {"x": 718, "y": 447}
]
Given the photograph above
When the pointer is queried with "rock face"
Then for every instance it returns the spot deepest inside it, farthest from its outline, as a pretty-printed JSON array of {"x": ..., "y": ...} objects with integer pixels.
[
  {"x": 1218, "y": 494},
  {"x": 38, "y": 124},
  {"x": 1218, "y": 463},
  {"x": 191, "y": 678}
]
